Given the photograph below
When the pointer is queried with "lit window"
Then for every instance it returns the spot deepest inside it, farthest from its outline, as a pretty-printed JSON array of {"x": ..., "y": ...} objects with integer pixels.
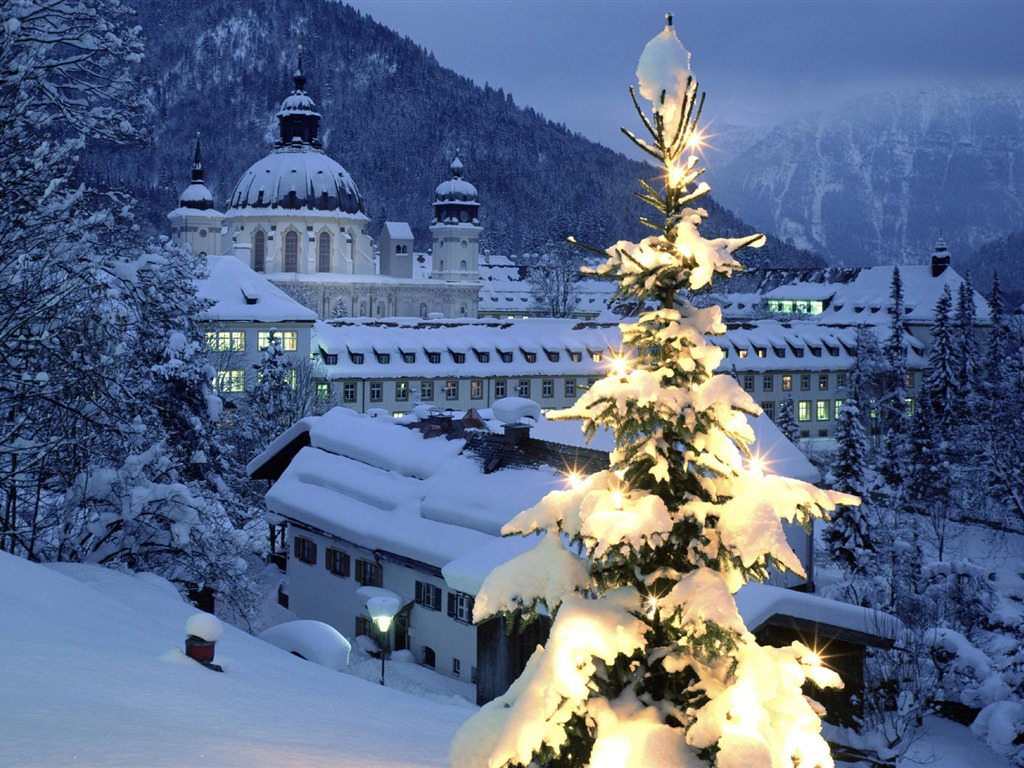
[
  {"x": 530, "y": 357},
  {"x": 822, "y": 414},
  {"x": 323, "y": 391},
  {"x": 401, "y": 391},
  {"x": 908, "y": 380},
  {"x": 225, "y": 341},
  {"x": 451, "y": 390},
  {"x": 742, "y": 353},
  {"x": 803, "y": 410},
  {"x": 476, "y": 389},
  {"x": 595, "y": 357},
  {"x": 553, "y": 356},
  {"x": 787, "y": 382},
  {"x": 231, "y": 381},
  {"x": 289, "y": 340},
  {"x": 822, "y": 381},
  {"x": 760, "y": 352},
  {"x": 837, "y": 404}
]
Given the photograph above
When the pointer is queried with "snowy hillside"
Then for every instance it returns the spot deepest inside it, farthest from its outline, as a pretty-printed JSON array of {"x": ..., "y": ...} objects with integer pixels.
[
  {"x": 876, "y": 179},
  {"x": 92, "y": 676}
]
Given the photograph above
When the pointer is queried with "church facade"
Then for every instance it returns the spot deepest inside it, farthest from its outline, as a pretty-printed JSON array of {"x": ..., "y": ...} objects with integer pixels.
[{"x": 296, "y": 216}]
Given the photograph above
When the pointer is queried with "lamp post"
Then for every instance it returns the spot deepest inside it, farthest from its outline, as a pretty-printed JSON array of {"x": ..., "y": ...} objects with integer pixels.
[{"x": 382, "y": 611}]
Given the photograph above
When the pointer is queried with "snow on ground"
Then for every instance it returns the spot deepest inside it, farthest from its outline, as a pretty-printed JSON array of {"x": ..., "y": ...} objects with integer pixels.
[{"x": 93, "y": 674}]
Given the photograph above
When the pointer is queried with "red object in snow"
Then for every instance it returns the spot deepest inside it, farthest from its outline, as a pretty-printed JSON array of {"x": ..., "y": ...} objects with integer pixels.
[{"x": 199, "y": 649}]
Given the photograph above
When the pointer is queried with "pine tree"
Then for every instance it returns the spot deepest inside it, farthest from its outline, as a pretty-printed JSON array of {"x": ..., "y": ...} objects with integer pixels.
[
  {"x": 848, "y": 535},
  {"x": 892, "y": 410},
  {"x": 648, "y": 661},
  {"x": 943, "y": 373},
  {"x": 786, "y": 421}
]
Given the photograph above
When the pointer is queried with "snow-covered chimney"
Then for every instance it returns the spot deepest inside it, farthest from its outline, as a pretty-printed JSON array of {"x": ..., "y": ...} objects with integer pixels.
[{"x": 202, "y": 631}]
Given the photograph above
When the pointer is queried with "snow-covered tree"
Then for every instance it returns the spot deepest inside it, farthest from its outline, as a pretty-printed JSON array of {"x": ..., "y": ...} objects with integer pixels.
[
  {"x": 786, "y": 421},
  {"x": 943, "y": 374},
  {"x": 892, "y": 405},
  {"x": 648, "y": 661},
  {"x": 849, "y": 534}
]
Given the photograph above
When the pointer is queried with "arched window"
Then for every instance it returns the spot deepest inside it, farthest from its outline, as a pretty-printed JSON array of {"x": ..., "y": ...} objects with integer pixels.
[
  {"x": 323, "y": 257},
  {"x": 462, "y": 265},
  {"x": 259, "y": 252},
  {"x": 429, "y": 657},
  {"x": 380, "y": 309},
  {"x": 423, "y": 311},
  {"x": 291, "y": 252}
]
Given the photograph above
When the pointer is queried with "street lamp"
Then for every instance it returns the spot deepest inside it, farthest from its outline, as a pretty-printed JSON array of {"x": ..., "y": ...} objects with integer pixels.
[{"x": 382, "y": 611}]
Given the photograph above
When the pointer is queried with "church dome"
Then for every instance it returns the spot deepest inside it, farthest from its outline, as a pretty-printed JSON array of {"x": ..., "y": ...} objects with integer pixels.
[
  {"x": 297, "y": 177},
  {"x": 297, "y": 174},
  {"x": 456, "y": 189}
]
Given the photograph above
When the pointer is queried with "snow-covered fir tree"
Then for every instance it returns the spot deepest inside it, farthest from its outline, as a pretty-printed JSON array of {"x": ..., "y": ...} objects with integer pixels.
[
  {"x": 648, "y": 660},
  {"x": 849, "y": 535},
  {"x": 786, "y": 421},
  {"x": 893, "y": 410}
]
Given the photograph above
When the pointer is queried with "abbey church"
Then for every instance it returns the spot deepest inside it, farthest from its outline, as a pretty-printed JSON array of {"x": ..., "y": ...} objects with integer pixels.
[{"x": 296, "y": 216}]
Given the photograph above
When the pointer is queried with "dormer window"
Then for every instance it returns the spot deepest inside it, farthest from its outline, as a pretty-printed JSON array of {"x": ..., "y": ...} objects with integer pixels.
[
  {"x": 383, "y": 357},
  {"x": 434, "y": 357},
  {"x": 506, "y": 357},
  {"x": 742, "y": 353},
  {"x": 576, "y": 356},
  {"x": 357, "y": 358},
  {"x": 798, "y": 352},
  {"x": 481, "y": 356},
  {"x": 530, "y": 357},
  {"x": 553, "y": 356},
  {"x": 408, "y": 357}
]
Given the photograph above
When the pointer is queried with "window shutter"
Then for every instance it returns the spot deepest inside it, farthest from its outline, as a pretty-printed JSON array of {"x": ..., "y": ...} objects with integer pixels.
[
  {"x": 419, "y": 591},
  {"x": 451, "y": 604},
  {"x": 312, "y": 552},
  {"x": 295, "y": 545}
]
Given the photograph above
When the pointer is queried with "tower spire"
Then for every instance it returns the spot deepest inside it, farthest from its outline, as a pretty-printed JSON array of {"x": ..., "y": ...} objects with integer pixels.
[{"x": 197, "y": 163}]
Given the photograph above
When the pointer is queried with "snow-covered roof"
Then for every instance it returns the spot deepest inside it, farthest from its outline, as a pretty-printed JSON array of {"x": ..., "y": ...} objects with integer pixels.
[
  {"x": 504, "y": 289},
  {"x": 398, "y": 230},
  {"x": 296, "y": 178},
  {"x": 239, "y": 294},
  {"x": 384, "y": 486},
  {"x": 480, "y": 343}
]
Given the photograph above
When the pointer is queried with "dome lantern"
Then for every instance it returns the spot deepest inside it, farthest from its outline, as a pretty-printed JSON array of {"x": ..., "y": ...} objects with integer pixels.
[
  {"x": 298, "y": 119},
  {"x": 456, "y": 200},
  {"x": 196, "y": 196}
]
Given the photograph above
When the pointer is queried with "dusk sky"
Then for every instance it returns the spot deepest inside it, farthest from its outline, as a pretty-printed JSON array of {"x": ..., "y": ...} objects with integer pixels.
[{"x": 573, "y": 60}]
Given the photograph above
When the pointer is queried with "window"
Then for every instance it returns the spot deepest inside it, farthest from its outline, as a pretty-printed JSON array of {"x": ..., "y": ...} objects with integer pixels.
[
  {"x": 575, "y": 356},
  {"x": 323, "y": 391},
  {"x": 822, "y": 381},
  {"x": 337, "y": 562},
  {"x": 822, "y": 414},
  {"x": 748, "y": 382},
  {"x": 451, "y": 390},
  {"x": 595, "y": 357},
  {"x": 458, "y": 357},
  {"x": 408, "y": 357},
  {"x": 368, "y": 574},
  {"x": 841, "y": 380},
  {"x": 365, "y": 626},
  {"x": 547, "y": 388},
  {"x": 476, "y": 389},
  {"x": 798, "y": 352},
  {"x": 428, "y": 595},
  {"x": 483, "y": 357},
  {"x": 259, "y": 252},
  {"x": 231, "y": 381},
  {"x": 382, "y": 357},
  {"x": 434, "y": 357},
  {"x": 908, "y": 380},
  {"x": 787, "y": 382},
  {"x": 767, "y": 382},
  {"x": 805, "y": 382},
  {"x": 456, "y": 668},
  {"x": 289, "y": 340},
  {"x": 760, "y": 352},
  {"x": 768, "y": 407},
  {"x": 500, "y": 388},
  {"x": 291, "y": 252},
  {"x": 305, "y": 550},
  {"x": 803, "y": 410},
  {"x": 401, "y": 391},
  {"x": 376, "y": 391},
  {"x": 570, "y": 387},
  {"x": 460, "y": 607},
  {"x": 837, "y": 405},
  {"x": 506, "y": 357},
  {"x": 429, "y": 657},
  {"x": 225, "y": 341},
  {"x": 530, "y": 357},
  {"x": 523, "y": 388},
  {"x": 427, "y": 390},
  {"x": 742, "y": 353},
  {"x": 323, "y": 253},
  {"x": 357, "y": 358},
  {"x": 348, "y": 392},
  {"x": 553, "y": 356}
]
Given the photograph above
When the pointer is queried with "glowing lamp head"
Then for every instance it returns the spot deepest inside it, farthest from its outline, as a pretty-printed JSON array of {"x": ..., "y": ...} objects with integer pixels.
[
  {"x": 382, "y": 610},
  {"x": 574, "y": 479},
  {"x": 383, "y": 623}
]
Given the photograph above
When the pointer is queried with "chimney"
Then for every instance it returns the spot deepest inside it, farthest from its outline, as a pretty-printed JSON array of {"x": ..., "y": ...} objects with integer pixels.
[
  {"x": 940, "y": 257},
  {"x": 516, "y": 434}
]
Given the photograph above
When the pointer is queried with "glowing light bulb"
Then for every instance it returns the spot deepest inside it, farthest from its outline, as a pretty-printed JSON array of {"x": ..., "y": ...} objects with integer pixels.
[
  {"x": 675, "y": 175},
  {"x": 696, "y": 141},
  {"x": 618, "y": 366},
  {"x": 755, "y": 464},
  {"x": 617, "y": 499},
  {"x": 812, "y": 659},
  {"x": 574, "y": 478}
]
